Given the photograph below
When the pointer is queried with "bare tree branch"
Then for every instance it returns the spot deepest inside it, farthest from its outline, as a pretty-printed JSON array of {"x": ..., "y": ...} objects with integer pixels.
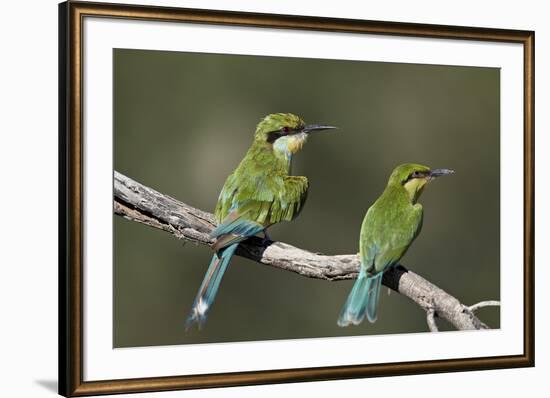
[
  {"x": 488, "y": 303},
  {"x": 142, "y": 204},
  {"x": 430, "y": 318}
]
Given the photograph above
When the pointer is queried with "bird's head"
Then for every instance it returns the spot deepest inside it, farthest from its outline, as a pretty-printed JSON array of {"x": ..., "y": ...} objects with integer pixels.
[
  {"x": 286, "y": 132},
  {"x": 414, "y": 177}
]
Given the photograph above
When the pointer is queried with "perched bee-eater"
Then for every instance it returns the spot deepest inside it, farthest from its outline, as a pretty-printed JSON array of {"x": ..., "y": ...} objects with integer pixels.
[
  {"x": 389, "y": 227},
  {"x": 259, "y": 193}
]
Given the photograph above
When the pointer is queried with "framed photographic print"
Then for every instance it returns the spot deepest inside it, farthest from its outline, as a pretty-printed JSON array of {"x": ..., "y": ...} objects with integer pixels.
[{"x": 240, "y": 193}]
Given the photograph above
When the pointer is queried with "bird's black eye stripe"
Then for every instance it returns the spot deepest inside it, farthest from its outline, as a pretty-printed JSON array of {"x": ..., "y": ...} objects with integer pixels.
[
  {"x": 415, "y": 174},
  {"x": 273, "y": 136}
]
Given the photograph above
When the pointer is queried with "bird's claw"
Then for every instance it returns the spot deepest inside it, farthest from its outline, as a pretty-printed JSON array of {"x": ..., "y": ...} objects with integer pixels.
[{"x": 266, "y": 241}]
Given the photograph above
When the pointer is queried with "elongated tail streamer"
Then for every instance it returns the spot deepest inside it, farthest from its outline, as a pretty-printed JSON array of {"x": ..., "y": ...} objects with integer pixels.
[{"x": 209, "y": 287}]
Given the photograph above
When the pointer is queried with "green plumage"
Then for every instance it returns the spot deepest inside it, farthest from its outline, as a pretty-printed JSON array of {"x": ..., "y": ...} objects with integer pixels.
[
  {"x": 390, "y": 226},
  {"x": 266, "y": 196},
  {"x": 257, "y": 194}
]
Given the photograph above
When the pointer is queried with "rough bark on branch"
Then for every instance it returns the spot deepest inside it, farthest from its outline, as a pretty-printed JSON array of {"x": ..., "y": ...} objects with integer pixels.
[{"x": 142, "y": 204}]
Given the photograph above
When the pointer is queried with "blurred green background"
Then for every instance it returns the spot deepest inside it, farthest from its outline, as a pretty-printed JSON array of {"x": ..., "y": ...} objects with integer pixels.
[{"x": 183, "y": 121}]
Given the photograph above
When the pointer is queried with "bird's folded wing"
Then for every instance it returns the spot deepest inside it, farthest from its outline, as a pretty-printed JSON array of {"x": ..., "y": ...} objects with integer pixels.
[
  {"x": 264, "y": 201},
  {"x": 288, "y": 204},
  {"x": 386, "y": 235}
]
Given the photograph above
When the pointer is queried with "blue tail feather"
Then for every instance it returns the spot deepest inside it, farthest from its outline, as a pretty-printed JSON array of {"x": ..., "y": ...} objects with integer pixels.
[
  {"x": 362, "y": 300},
  {"x": 373, "y": 295},
  {"x": 209, "y": 287},
  {"x": 232, "y": 231}
]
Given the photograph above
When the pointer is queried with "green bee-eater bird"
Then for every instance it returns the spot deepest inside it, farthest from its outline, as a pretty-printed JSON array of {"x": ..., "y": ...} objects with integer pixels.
[
  {"x": 259, "y": 193},
  {"x": 390, "y": 226}
]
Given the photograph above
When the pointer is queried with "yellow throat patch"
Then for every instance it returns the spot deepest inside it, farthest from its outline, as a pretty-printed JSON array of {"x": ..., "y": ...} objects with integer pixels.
[
  {"x": 290, "y": 144},
  {"x": 415, "y": 186}
]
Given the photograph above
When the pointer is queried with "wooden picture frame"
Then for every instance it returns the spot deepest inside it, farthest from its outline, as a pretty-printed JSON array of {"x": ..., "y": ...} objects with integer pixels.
[{"x": 71, "y": 238}]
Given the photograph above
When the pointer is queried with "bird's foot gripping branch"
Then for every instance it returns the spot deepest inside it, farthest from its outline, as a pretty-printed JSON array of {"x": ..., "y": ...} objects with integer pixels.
[{"x": 142, "y": 204}]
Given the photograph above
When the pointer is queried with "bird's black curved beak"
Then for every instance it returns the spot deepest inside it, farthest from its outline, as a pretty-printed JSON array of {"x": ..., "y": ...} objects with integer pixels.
[
  {"x": 310, "y": 128},
  {"x": 440, "y": 172}
]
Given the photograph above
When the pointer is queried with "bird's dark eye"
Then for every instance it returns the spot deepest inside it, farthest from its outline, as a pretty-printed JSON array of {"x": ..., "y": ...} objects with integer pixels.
[
  {"x": 414, "y": 174},
  {"x": 286, "y": 129}
]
